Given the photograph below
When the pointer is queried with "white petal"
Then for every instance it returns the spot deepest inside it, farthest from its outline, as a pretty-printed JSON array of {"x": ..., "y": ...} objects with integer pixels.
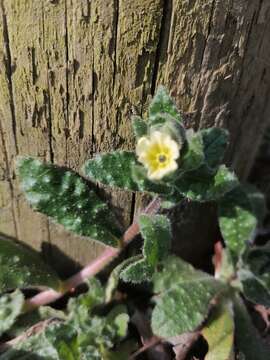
[
  {"x": 173, "y": 146},
  {"x": 158, "y": 137},
  {"x": 160, "y": 173},
  {"x": 142, "y": 145}
]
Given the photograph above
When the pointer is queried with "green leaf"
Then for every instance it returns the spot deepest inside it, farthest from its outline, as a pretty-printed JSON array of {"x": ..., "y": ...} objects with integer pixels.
[
  {"x": 193, "y": 157},
  {"x": 115, "y": 275},
  {"x": 219, "y": 333},
  {"x": 257, "y": 201},
  {"x": 248, "y": 342},
  {"x": 215, "y": 141},
  {"x": 84, "y": 335},
  {"x": 22, "y": 267},
  {"x": 139, "y": 175},
  {"x": 258, "y": 260},
  {"x": 113, "y": 169},
  {"x": 254, "y": 289},
  {"x": 55, "y": 342},
  {"x": 183, "y": 298},
  {"x": 28, "y": 319},
  {"x": 198, "y": 186},
  {"x": 11, "y": 306},
  {"x": 156, "y": 233},
  {"x": 163, "y": 103},
  {"x": 236, "y": 220},
  {"x": 137, "y": 272},
  {"x": 80, "y": 308},
  {"x": 140, "y": 127},
  {"x": 65, "y": 197}
]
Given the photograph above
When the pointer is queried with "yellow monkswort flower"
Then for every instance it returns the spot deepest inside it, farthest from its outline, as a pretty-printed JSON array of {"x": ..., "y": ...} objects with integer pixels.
[{"x": 158, "y": 153}]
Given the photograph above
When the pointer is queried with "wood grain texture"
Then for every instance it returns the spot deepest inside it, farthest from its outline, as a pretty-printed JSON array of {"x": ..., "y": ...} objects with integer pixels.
[{"x": 72, "y": 71}]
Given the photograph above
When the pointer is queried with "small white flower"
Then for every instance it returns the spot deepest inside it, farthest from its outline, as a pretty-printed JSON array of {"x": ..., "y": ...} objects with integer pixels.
[{"x": 158, "y": 153}]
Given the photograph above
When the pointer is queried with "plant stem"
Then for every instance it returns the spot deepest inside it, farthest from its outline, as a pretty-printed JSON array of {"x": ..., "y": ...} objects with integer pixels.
[{"x": 49, "y": 296}]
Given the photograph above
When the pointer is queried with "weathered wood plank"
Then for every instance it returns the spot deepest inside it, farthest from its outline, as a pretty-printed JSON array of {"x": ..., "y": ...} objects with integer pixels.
[
  {"x": 214, "y": 60},
  {"x": 71, "y": 71}
]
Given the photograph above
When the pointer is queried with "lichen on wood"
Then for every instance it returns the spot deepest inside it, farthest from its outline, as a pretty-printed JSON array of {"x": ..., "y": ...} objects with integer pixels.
[{"x": 71, "y": 73}]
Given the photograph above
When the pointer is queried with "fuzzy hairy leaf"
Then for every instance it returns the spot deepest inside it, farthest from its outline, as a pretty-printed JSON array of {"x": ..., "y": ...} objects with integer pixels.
[
  {"x": 80, "y": 308},
  {"x": 22, "y": 267},
  {"x": 84, "y": 335},
  {"x": 140, "y": 127},
  {"x": 204, "y": 187},
  {"x": 156, "y": 233},
  {"x": 137, "y": 272},
  {"x": 163, "y": 103},
  {"x": 139, "y": 175},
  {"x": 28, "y": 319},
  {"x": 65, "y": 197},
  {"x": 183, "y": 298},
  {"x": 56, "y": 342},
  {"x": 236, "y": 220},
  {"x": 193, "y": 157},
  {"x": 11, "y": 306},
  {"x": 255, "y": 289},
  {"x": 248, "y": 341},
  {"x": 257, "y": 201},
  {"x": 215, "y": 141},
  {"x": 113, "y": 169},
  {"x": 258, "y": 260},
  {"x": 115, "y": 276},
  {"x": 219, "y": 333}
]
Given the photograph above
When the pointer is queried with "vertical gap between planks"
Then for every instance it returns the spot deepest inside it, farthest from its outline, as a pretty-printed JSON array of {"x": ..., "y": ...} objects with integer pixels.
[
  {"x": 8, "y": 68},
  {"x": 163, "y": 40}
]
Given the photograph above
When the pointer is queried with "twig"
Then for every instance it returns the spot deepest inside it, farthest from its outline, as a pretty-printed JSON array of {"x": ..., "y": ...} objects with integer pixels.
[
  {"x": 49, "y": 296},
  {"x": 155, "y": 346},
  {"x": 33, "y": 330}
]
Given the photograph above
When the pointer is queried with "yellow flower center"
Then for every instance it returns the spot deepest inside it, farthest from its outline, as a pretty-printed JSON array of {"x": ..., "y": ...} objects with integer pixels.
[
  {"x": 158, "y": 154},
  {"x": 162, "y": 158}
]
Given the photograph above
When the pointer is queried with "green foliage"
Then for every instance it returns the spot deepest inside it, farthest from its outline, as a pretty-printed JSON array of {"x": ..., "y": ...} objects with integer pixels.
[
  {"x": 162, "y": 103},
  {"x": 113, "y": 169},
  {"x": 84, "y": 335},
  {"x": 248, "y": 342},
  {"x": 11, "y": 306},
  {"x": 156, "y": 232},
  {"x": 257, "y": 202},
  {"x": 236, "y": 220},
  {"x": 258, "y": 261},
  {"x": 140, "y": 127},
  {"x": 65, "y": 197},
  {"x": 28, "y": 319},
  {"x": 255, "y": 289},
  {"x": 22, "y": 267},
  {"x": 215, "y": 141},
  {"x": 219, "y": 333},
  {"x": 193, "y": 156},
  {"x": 203, "y": 187},
  {"x": 139, "y": 175},
  {"x": 183, "y": 298}
]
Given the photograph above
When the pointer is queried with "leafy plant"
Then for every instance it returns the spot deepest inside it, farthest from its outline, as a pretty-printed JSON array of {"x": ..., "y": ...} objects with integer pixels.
[{"x": 169, "y": 163}]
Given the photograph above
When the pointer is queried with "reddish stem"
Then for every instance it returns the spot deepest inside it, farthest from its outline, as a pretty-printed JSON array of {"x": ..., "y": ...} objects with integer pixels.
[{"x": 92, "y": 268}]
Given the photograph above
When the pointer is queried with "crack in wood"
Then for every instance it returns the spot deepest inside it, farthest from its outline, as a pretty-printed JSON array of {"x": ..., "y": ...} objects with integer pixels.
[
  {"x": 8, "y": 69},
  {"x": 116, "y": 25},
  {"x": 211, "y": 16},
  {"x": 67, "y": 82},
  {"x": 163, "y": 41},
  {"x": 9, "y": 179}
]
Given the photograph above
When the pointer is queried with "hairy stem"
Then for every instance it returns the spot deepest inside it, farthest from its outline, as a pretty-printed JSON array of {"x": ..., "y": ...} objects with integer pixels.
[{"x": 49, "y": 296}]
